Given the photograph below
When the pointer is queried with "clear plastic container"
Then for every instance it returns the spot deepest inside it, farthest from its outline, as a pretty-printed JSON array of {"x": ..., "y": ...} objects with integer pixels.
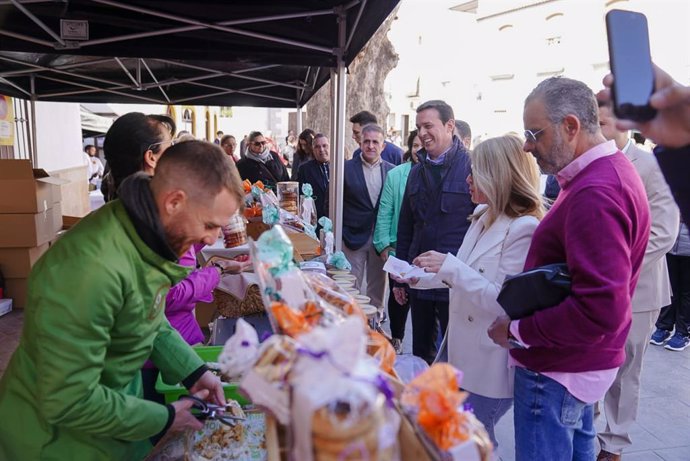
[
  {"x": 288, "y": 196},
  {"x": 235, "y": 233}
]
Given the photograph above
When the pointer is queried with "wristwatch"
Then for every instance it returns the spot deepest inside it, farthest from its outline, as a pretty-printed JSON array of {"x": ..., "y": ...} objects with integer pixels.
[
  {"x": 513, "y": 341},
  {"x": 219, "y": 267}
]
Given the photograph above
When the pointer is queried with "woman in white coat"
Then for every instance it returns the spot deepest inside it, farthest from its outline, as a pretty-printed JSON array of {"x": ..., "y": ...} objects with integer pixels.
[{"x": 504, "y": 183}]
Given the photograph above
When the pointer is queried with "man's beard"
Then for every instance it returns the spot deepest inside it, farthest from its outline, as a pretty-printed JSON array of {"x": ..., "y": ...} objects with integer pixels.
[
  {"x": 558, "y": 157},
  {"x": 177, "y": 241}
]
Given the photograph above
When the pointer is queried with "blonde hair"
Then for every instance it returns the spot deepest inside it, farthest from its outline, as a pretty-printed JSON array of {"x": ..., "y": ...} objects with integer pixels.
[{"x": 509, "y": 178}]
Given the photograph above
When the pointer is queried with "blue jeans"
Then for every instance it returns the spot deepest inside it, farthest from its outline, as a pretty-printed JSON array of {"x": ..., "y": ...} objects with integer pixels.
[
  {"x": 489, "y": 411},
  {"x": 550, "y": 424}
]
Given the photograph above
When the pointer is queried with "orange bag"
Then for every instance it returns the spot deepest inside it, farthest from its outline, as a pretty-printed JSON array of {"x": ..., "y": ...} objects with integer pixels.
[
  {"x": 381, "y": 349},
  {"x": 436, "y": 396},
  {"x": 294, "y": 322}
]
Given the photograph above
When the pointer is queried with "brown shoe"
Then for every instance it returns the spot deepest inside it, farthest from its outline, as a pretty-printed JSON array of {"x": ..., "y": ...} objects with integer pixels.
[{"x": 606, "y": 456}]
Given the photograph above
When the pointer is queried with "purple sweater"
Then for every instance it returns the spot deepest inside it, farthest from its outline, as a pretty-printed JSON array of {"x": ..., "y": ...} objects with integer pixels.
[
  {"x": 182, "y": 298},
  {"x": 599, "y": 226}
]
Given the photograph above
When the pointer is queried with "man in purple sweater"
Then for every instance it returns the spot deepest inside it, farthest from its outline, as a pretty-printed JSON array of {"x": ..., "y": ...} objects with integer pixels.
[{"x": 570, "y": 353}]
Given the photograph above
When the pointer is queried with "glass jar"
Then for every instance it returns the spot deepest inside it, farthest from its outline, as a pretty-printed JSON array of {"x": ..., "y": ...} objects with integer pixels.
[
  {"x": 288, "y": 196},
  {"x": 235, "y": 233}
]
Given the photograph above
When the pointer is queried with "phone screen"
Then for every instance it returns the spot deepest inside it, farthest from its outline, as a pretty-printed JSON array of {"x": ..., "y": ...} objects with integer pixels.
[{"x": 631, "y": 64}]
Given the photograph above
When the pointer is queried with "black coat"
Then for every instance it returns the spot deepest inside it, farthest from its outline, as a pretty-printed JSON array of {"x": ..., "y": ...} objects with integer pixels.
[
  {"x": 269, "y": 173},
  {"x": 310, "y": 173}
]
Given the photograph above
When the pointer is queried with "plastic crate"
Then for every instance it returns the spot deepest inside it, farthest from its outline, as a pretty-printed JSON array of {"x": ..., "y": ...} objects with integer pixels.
[{"x": 207, "y": 354}]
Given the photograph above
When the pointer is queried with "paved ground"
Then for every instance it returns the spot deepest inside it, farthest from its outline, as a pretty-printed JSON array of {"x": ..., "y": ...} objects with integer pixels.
[{"x": 662, "y": 431}]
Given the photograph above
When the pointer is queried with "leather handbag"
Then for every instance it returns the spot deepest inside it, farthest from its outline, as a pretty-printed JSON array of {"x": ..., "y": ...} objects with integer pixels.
[{"x": 533, "y": 290}]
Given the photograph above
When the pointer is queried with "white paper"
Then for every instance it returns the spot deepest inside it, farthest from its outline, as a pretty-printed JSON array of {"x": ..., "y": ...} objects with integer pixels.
[{"x": 404, "y": 270}]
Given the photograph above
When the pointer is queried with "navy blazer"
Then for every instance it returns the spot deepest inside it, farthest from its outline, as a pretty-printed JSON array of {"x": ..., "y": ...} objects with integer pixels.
[
  {"x": 434, "y": 216},
  {"x": 359, "y": 215},
  {"x": 311, "y": 173}
]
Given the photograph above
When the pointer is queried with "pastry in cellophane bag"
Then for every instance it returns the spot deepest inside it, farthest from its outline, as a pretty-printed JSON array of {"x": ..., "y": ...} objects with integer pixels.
[
  {"x": 435, "y": 405},
  {"x": 342, "y": 407}
]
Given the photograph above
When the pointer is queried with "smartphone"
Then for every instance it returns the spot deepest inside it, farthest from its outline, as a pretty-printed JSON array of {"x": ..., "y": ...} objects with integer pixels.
[{"x": 631, "y": 65}]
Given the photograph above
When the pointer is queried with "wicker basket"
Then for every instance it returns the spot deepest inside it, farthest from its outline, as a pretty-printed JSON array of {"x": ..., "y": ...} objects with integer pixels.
[{"x": 232, "y": 307}]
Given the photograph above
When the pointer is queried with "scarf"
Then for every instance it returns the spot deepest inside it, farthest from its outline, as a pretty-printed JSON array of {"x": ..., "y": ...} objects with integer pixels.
[
  {"x": 264, "y": 157},
  {"x": 135, "y": 194}
]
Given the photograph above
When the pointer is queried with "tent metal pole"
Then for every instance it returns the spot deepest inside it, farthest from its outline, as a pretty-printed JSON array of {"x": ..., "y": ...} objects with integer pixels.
[
  {"x": 340, "y": 131},
  {"x": 298, "y": 119},
  {"x": 231, "y": 30},
  {"x": 33, "y": 155},
  {"x": 332, "y": 136},
  {"x": 38, "y": 22},
  {"x": 176, "y": 30},
  {"x": 229, "y": 74}
]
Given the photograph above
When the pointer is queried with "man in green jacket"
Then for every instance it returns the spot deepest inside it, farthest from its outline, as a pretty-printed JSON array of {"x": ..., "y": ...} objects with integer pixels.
[{"x": 72, "y": 389}]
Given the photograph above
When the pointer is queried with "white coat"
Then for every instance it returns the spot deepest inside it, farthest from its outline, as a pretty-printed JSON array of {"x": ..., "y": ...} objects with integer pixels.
[{"x": 475, "y": 276}]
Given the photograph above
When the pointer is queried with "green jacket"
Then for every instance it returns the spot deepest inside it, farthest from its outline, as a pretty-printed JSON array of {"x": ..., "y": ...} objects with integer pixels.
[
  {"x": 386, "y": 231},
  {"x": 95, "y": 314}
]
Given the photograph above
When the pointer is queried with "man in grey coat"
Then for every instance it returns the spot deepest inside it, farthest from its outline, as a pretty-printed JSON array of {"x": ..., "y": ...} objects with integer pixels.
[{"x": 652, "y": 293}]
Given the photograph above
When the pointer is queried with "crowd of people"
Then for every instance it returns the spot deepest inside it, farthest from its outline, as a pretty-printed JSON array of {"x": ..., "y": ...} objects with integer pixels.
[{"x": 82, "y": 377}]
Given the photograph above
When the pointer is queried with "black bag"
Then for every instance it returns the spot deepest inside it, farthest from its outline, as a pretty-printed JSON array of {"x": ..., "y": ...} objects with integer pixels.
[{"x": 533, "y": 290}]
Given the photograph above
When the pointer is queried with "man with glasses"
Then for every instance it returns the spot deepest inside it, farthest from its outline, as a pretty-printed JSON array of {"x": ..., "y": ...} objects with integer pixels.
[
  {"x": 570, "y": 353},
  {"x": 652, "y": 293},
  {"x": 260, "y": 163}
]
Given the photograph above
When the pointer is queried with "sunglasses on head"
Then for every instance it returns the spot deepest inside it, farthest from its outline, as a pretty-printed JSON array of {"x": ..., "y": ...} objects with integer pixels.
[{"x": 151, "y": 146}]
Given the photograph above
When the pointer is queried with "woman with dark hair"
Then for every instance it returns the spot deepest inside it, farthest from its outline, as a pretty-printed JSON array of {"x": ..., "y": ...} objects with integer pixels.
[
  {"x": 304, "y": 151},
  {"x": 260, "y": 163},
  {"x": 134, "y": 143},
  {"x": 386, "y": 231}
]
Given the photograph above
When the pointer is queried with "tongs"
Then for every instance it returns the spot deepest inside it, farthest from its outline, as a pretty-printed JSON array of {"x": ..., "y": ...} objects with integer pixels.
[{"x": 204, "y": 410}]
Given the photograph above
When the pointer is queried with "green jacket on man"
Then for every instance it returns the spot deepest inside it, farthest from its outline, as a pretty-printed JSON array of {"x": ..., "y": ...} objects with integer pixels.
[{"x": 95, "y": 314}]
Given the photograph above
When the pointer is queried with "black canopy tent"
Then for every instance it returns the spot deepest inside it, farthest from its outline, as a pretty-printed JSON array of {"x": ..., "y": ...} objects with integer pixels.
[{"x": 223, "y": 52}]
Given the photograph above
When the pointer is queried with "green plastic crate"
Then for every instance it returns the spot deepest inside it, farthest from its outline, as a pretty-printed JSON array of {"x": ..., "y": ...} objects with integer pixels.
[{"x": 207, "y": 354}]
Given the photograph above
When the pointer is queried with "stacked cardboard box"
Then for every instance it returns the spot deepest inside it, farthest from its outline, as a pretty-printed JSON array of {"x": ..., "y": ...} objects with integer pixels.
[{"x": 30, "y": 217}]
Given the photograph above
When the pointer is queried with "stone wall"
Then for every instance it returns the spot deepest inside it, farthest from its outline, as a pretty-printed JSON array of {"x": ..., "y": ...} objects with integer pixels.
[{"x": 365, "y": 89}]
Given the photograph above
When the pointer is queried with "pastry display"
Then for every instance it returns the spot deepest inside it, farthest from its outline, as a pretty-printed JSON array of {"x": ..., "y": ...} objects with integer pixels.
[
  {"x": 244, "y": 440},
  {"x": 288, "y": 196},
  {"x": 235, "y": 233}
]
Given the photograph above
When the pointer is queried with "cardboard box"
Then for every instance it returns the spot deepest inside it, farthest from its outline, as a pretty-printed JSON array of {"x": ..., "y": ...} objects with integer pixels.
[
  {"x": 69, "y": 221},
  {"x": 18, "y": 291},
  {"x": 16, "y": 263},
  {"x": 24, "y": 189},
  {"x": 5, "y": 306},
  {"x": 29, "y": 230}
]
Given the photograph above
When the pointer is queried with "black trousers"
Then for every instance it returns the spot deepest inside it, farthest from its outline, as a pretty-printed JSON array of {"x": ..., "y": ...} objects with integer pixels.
[
  {"x": 397, "y": 314},
  {"x": 427, "y": 317},
  {"x": 678, "y": 312}
]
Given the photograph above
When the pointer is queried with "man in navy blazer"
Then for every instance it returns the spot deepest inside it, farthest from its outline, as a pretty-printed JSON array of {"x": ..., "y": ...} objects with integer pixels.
[
  {"x": 391, "y": 153},
  {"x": 363, "y": 180},
  {"x": 317, "y": 173}
]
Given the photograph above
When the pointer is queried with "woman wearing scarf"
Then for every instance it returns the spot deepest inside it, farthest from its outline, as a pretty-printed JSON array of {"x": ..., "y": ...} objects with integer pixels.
[{"x": 260, "y": 164}]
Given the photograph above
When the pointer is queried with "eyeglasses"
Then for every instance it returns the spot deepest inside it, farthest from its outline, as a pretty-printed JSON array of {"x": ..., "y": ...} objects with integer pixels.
[
  {"x": 259, "y": 143},
  {"x": 171, "y": 141},
  {"x": 531, "y": 136}
]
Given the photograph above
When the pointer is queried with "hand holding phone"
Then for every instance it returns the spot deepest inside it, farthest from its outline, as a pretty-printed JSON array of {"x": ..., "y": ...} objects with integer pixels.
[
  {"x": 671, "y": 126},
  {"x": 631, "y": 65}
]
